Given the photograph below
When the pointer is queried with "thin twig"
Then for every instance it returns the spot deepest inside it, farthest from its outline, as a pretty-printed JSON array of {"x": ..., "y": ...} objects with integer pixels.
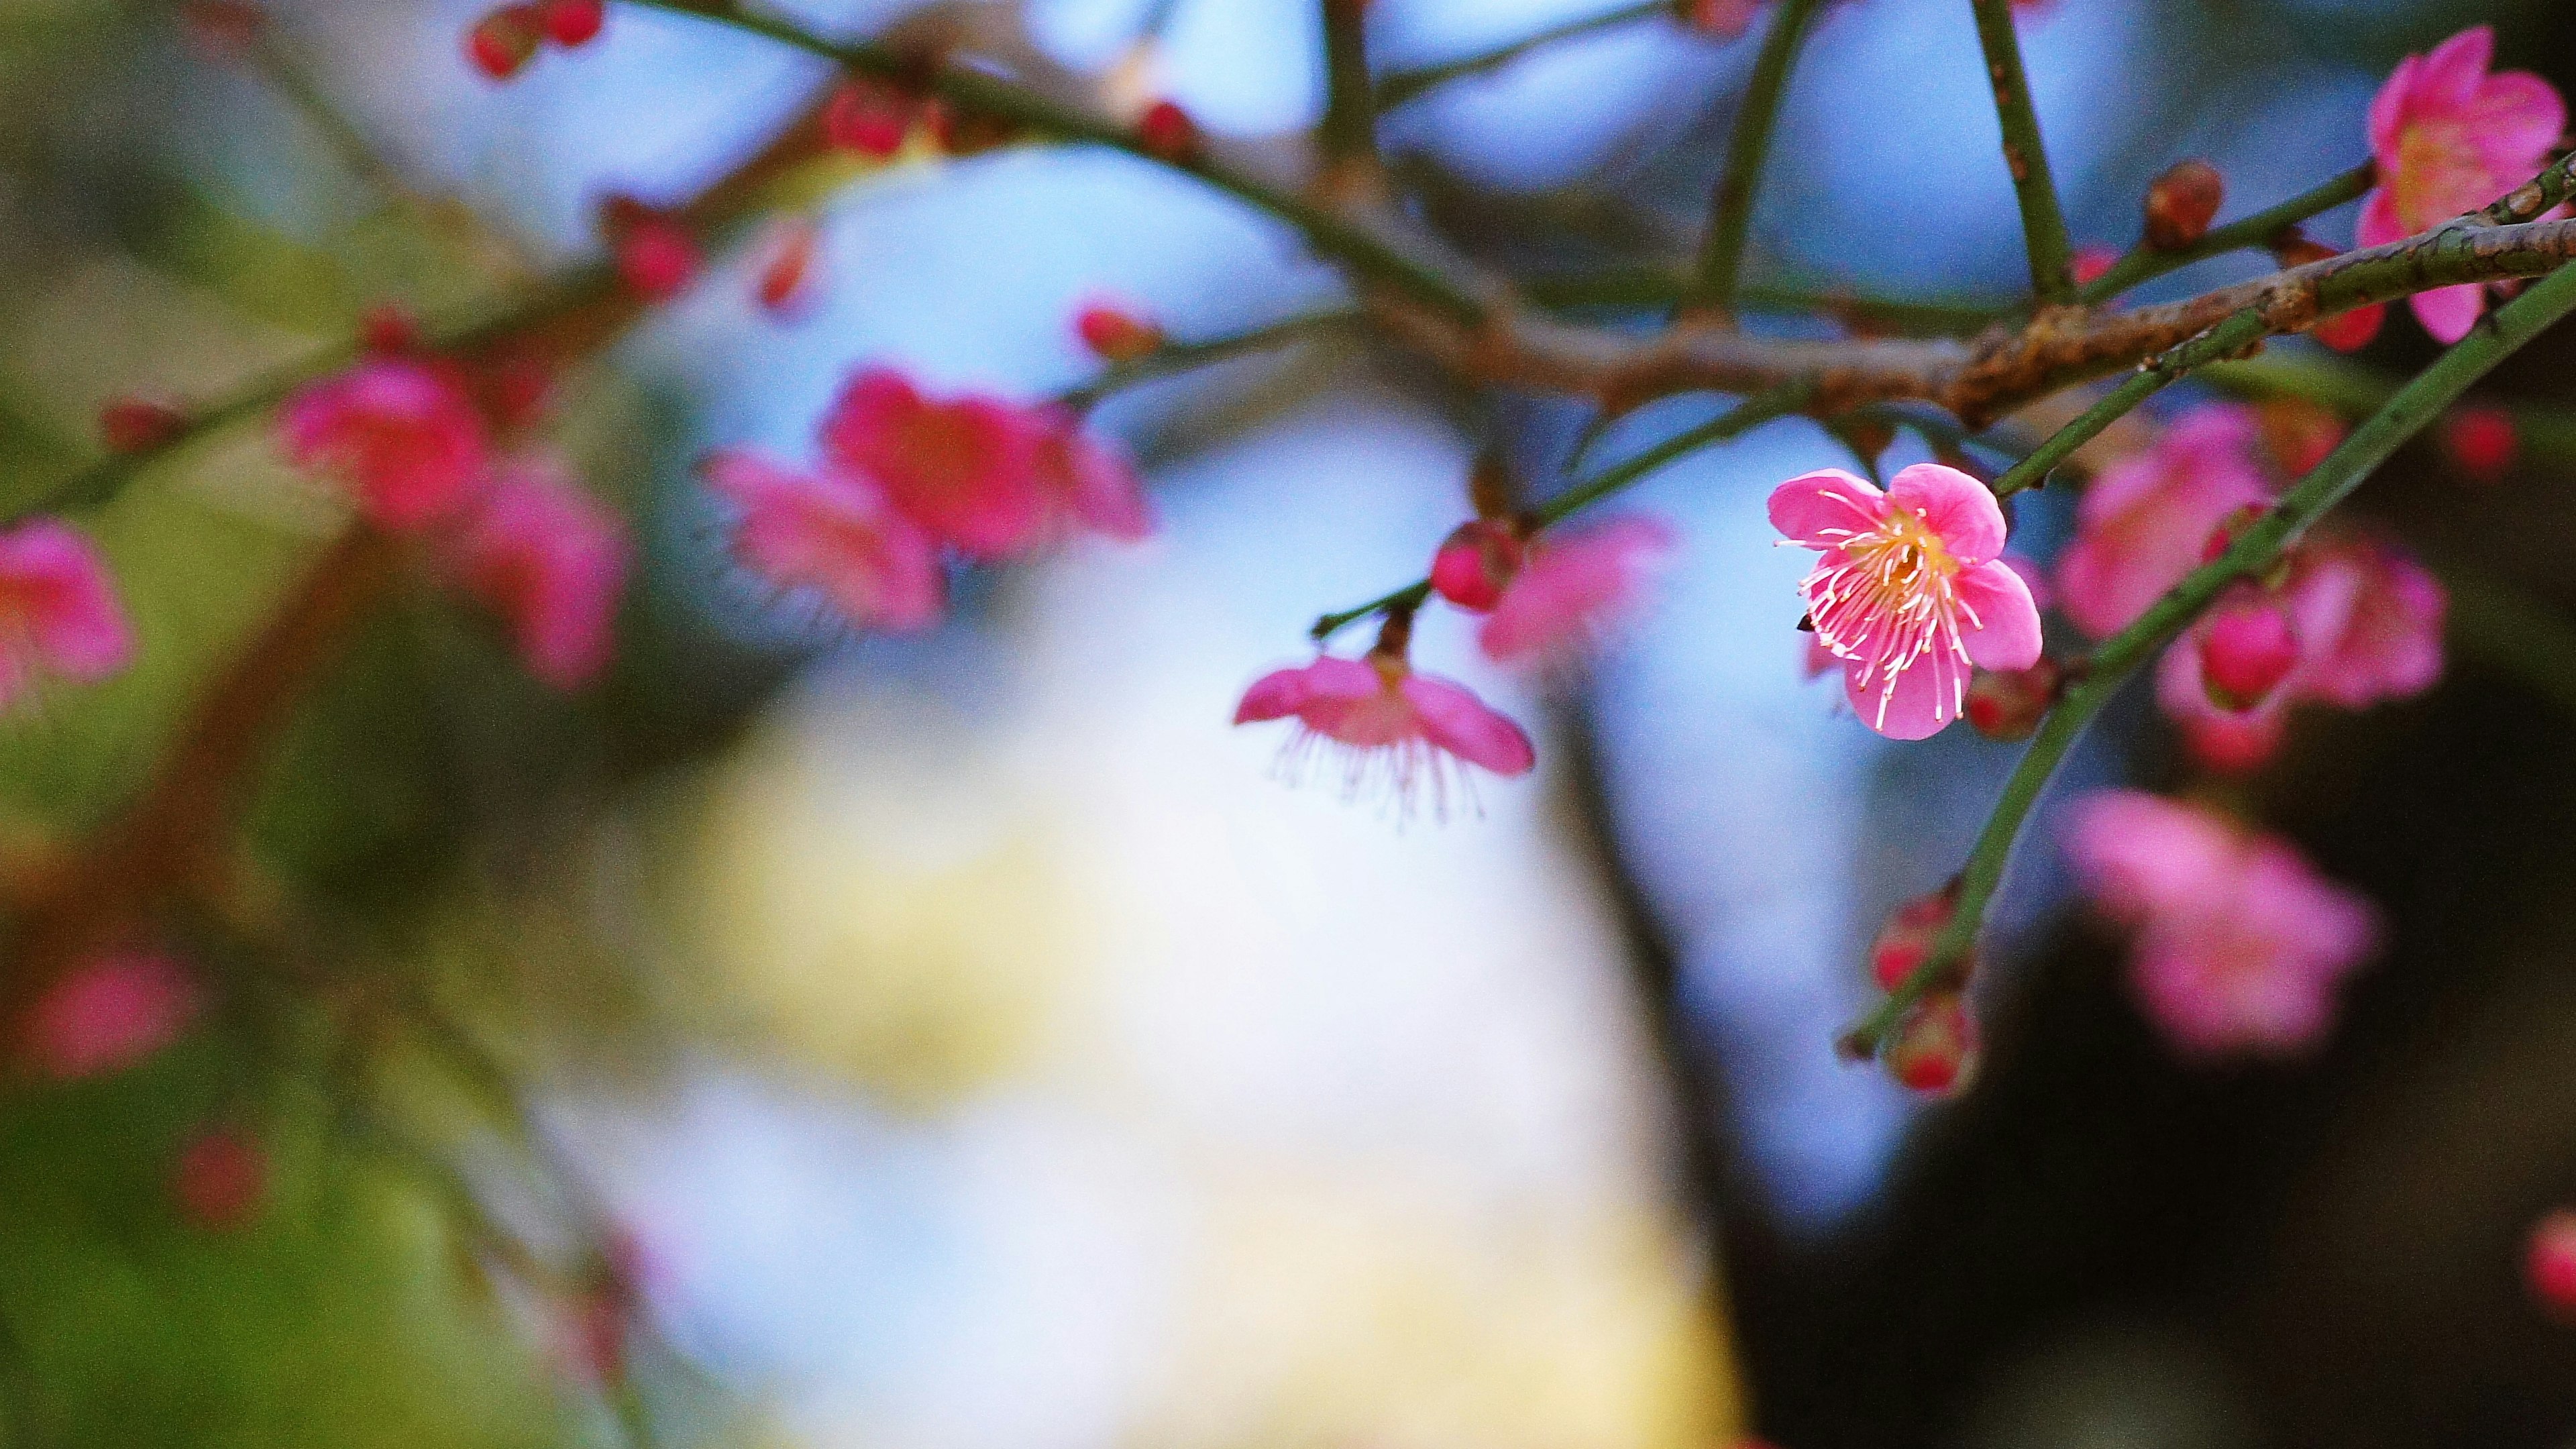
[
  {"x": 2414, "y": 408},
  {"x": 1398, "y": 87},
  {"x": 2145, "y": 263},
  {"x": 1730, "y": 213},
  {"x": 2229, "y": 337},
  {"x": 1176, "y": 357},
  {"x": 1348, "y": 133},
  {"x": 2043, "y": 225}
]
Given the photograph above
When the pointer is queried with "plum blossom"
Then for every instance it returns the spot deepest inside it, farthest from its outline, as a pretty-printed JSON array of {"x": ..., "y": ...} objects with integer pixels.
[
  {"x": 1391, "y": 722},
  {"x": 1909, "y": 589},
  {"x": 1087, "y": 480},
  {"x": 1572, "y": 587},
  {"x": 833, "y": 534},
  {"x": 59, "y": 613},
  {"x": 2450, "y": 138},
  {"x": 2145, "y": 520},
  {"x": 1477, "y": 561},
  {"x": 404, "y": 435},
  {"x": 2240, "y": 944},
  {"x": 551, "y": 560},
  {"x": 108, "y": 1013}
]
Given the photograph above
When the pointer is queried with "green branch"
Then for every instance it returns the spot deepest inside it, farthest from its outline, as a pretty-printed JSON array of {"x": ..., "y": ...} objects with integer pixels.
[
  {"x": 2414, "y": 408},
  {"x": 1730, "y": 207},
  {"x": 984, "y": 93},
  {"x": 1174, "y": 357},
  {"x": 2145, "y": 263},
  {"x": 1401, "y": 86},
  {"x": 2229, "y": 337},
  {"x": 1742, "y": 418},
  {"x": 1349, "y": 128},
  {"x": 2043, "y": 226}
]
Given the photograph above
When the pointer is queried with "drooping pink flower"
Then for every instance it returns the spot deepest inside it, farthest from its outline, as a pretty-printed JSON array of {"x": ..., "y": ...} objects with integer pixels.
[
  {"x": 550, "y": 559},
  {"x": 1393, "y": 724},
  {"x": 833, "y": 534},
  {"x": 110, "y": 1012},
  {"x": 404, "y": 435},
  {"x": 219, "y": 1179},
  {"x": 1572, "y": 588},
  {"x": 59, "y": 613},
  {"x": 2144, "y": 520},
  {"x": 964, "y": 468},
  {"x": 2450, "y": 138},
  {"x": 2240, "y": 944},
  {"x": 1909, "y": 590}
]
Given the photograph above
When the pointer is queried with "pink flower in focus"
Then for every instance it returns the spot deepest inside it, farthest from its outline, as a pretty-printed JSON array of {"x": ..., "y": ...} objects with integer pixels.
[
  {"x": 1572, "y": 588},
  {"x": 1391, "y": 722},
  {"x": 406, "y": 436},
  {"x": 551, "y": 559},
  {"x": 58, "y": 610},
  {"x": 1909, "y": 589},
  {"x": 110, "y": 1012},
  {"x": 2144, "y": 521},
  {"x": 965, "y": 469},
  {"x": 2450, "y": 138},
  {"x": 2240, "y": 944},
  {"x": 835, "y": 535}
]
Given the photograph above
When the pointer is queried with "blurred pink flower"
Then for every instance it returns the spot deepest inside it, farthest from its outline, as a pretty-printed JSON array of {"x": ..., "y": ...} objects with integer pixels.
[
  {"x": 1909, "y": 589},
  {"x": 2144, "y": 522},
  {"x": 1087, "y": 480},
  {"x": 109, "y": 1012},
  {"x": 965, "y": 469},
  {"x": 1572, "y": 588},
  {"x": 1476, "y": 562},
  {"x": 2450, "y": 138},
  {"x": 833, "y": 534},
  {"x": 58, "y": 610},
  {"x": 2240, "y": 944},
  {"x": 404, "y": 435},
  {"x": 1389, "y": 720},
  {"x": 550, "y": 559}
]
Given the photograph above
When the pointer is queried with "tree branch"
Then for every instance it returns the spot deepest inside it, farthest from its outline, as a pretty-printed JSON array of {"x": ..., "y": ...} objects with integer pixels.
[
  {"x": 1177, "y": 357},
  {"x": 2229, "y": 337},
  {"x": 1730, "y": 216},
  {"x": 2145, "y": 263},
  {"x": 1398, "y": 87},
  {"x": 1349, "y": 130},
  {"x": 2043, "y": 226},
  {"x": 2414, "y": 408}
]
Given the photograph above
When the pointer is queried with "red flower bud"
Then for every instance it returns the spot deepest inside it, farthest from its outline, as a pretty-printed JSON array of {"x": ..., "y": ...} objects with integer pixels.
[
  {"x": 219, "y": 1180},
  {"x": 2481, "y": 441},
  {"x": 1905, "y": 942},
  {"x": 2092, "y": 262},
  {"x": 2009, "y": 704},
  {"x": 787, "y": 275},
  {"x": 574, "y": 23},
  {"x": 503, "y": 42},
  {"x": 1475, "y": 562},
  {"x": 1934, "y": 1049},
  {"x": 2351, "y": 331},
  {"x": 2181, "y": 204},
  {"x": 138, "y": 425},
  {"x": 658, "y": 258},
  {"x": 2246, "y": 649},
  {"x": 2549, "y": 1263},
  {"x": 1168, "y": 134},
  {"x": 868, "y": 117},
  {"x": 388, "y": 330},
  {"x": 1114, "y": 334}
]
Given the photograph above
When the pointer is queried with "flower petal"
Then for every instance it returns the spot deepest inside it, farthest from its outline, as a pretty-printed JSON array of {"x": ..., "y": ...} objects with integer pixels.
[
  {"x": 2451, "y": 74},
  {"x": 1457, "y": 721},
  {"x": 2514, "y": 122},
  {"x": 1957, "y": 507},
  {"x": 2005, "y": 634},
  {"x": 1823, "y": 508},
  {"x": 1927, "y": 696},
  {"x": 2379, "y": 224},
  {"x": 2449, "y": 312}
]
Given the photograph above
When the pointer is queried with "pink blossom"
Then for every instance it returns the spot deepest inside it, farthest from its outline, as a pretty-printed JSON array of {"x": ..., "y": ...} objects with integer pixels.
[
  {"x": 1909, "y": 590},
  {"x": 108, "y": 1013},
  {"x": 833, "y": 534},
  {"x": 550, "y": 559},
  {"x": 1477, "y": 561},
  {"x": 2144, "y": 521},
  {"x": 406, "y": 436},
  {"x": 58, "y": 610},
  {"x": 2240, "y": 944},
  {"x": 1573, "y": 587},
  {"x": 964, "y": 469},
  {"x": 1086, "y": 480},
  {"x": 2450, "y": 138},
  {"x": 1391, "y": 721}
]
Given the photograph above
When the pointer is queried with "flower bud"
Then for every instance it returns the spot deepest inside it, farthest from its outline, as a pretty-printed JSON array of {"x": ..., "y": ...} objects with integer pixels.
[
  {"x": 1934, "y": 1049},
  {"x": 868, "y": 117},
  {"x": 2246, "y": 649},
  {"x": 138, "y": 425},
  {"x": 1725, "y": 19},
  {"x": 1905, "y": 942},
  {"x": 2481, "y": 441},
  {"x": 503, "y": 42},
  {"x": 2549, "y": 1263},
  {"x": 574, "y": 23},
  {"x": 1168, "y": 134},
  {"x": 1115, "y": 334},
  {"x": 219, "y": 1179},
  {"x": 2229, "y": 529},
  {"x": 658, "y": 258},
  {"x": 787, "y": 274},
  {"x": 2092, "y": 263},
  {"x": 2298, "y": 433},
  {"x": 2009, "y": 704},
  {"x": 1476, "y": 561},
  {"x": 2351, "y": 331},
  {"x": 2181, "y": 204}
]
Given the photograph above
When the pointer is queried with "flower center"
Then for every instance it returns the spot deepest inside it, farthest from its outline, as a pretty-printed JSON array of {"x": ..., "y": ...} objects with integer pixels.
[
  {"x": 1885, "y": 599},
  {"x": 2439, "y": 175}
]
